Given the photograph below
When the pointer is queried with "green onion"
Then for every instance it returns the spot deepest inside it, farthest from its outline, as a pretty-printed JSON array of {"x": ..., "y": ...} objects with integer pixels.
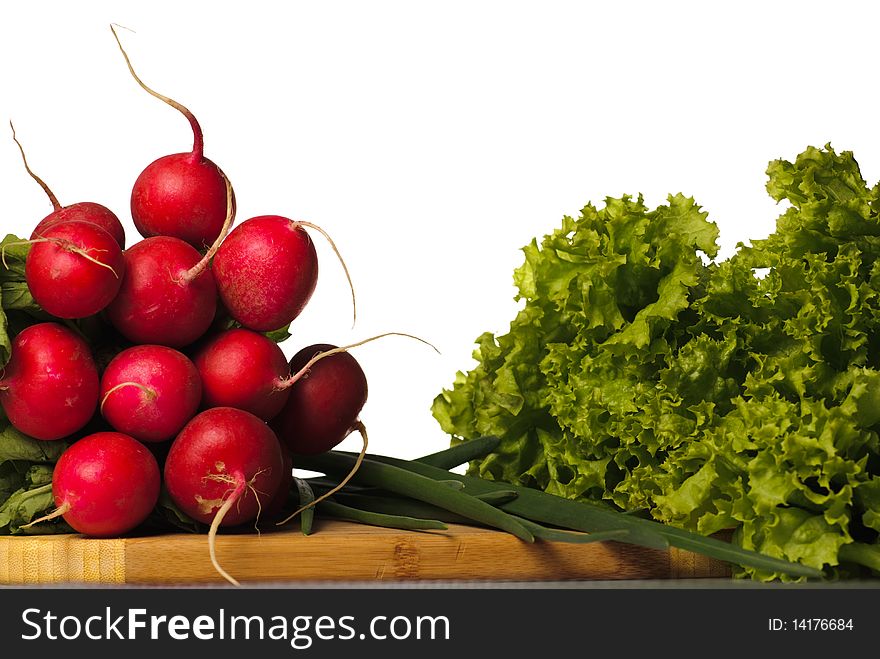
[
  {"x": 461, "y": 453},
  {"x": 394, "y": 505},
  {"x": 561, "y": 535},
  {"x": 498, "y": 498},
  {"x": 582, "y": 516},
  {"x": 411, "y": 484},
  {"x": 341, "y": 511},
  {"x": 306, "y": 496}
]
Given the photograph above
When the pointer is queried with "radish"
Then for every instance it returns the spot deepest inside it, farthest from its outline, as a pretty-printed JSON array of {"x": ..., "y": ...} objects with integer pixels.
[
  {"x": 49, "y": 387},
  {"x": 267, "y": 269},
  {"x": 84, "y": 211},
  {"x": 168, "y": 296},
  {"x": 150, "y": 392},
  {"x": 322, "y": 408},
  {"x": 74, "y": 269},
  {"x": 223, "y": 468},
  {"x": 105, "y": 485},
  {"x": 244, "y": 369},
  {"x": 328, "y": 390},
  {"x": 181, "y": 195}
]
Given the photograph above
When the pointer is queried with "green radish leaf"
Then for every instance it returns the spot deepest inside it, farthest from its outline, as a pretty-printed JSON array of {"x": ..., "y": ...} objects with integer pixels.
[
  {"x": 12, "y": 479},
  {"x": 16, "y": 295},
  {"x": 24, "y": 506},
  {"x": 14, "y": 253},
  {"x": 280, "y": 335},
  {"x": 15, "y": 445},
  {"x": 167, "y": 515}
]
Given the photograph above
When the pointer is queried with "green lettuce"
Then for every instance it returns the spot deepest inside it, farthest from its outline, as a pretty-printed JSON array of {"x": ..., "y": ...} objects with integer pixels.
[{"x": 740, "y": 395}]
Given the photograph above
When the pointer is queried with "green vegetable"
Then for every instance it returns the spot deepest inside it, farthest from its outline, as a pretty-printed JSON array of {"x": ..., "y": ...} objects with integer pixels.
[
  {"x": 26, "y": 481},
  {"x": 25, "y": 505},
  {"x": 15, "y": 298},
  {"x": 15, "y": 445},
  {"x": 560, "y": 535},
  {"x": 588, "y": 517},
  {"x": 305, "y": 497},
  {"x": 741, "y": 395},
  {"x": 340, "y": 511},
  {"x": 413, "y": 485},
  {"x": 461, "y": 453}
]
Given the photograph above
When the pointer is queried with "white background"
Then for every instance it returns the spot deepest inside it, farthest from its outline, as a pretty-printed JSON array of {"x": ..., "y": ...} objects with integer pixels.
[{"x": 433, "y": 140}]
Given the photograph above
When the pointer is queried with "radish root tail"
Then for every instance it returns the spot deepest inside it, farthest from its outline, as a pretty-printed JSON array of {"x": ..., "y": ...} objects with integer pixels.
[
  {"x": 344, "y": 267},
  {"x": 55, "y": 204},
  {"x": 198, "y": 140},
  {"x": 70, "y": 247},
  {"x": 233, "y": 497},
  {"x": 359, "y": 426},
  {"x": 292, "y": 379},
  {"x": 203, "y": 264},
  {"x": 58, "y": 512},
  {"x": 150, "y": 392},
  {"x": 62, "y": 244}
]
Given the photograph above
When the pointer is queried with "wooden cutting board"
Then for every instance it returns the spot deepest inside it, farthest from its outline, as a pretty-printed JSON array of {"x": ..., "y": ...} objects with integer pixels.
[{"x": 337, "y": 551}]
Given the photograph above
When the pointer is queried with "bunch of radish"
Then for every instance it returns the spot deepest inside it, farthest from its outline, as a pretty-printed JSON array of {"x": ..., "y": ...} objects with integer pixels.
[{"x": 195, "y": 376}]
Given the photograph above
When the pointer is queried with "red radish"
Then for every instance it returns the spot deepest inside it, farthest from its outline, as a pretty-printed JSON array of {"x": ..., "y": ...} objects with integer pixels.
[
  {"x": 323, "y": 407},
  {"x": 244, "y": 369},
  {"x": 84, "y": 211},
  {"x": 105, "y": 485},
  {"x": 168, "y": 296},
  {"x": 181, "y": 195},
  {"x": 74, "y": 270},
  {"x": 328, "y": 390},
  {"x": 150, "y": 392},
  {"x": 223, "y": 468},
  {"x": 49, "y": 388},
  {"x": 266, "y": 271}
]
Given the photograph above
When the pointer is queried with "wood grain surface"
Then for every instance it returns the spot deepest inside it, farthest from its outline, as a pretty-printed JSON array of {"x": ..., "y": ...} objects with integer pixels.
[{"x": 337, "y": 551}]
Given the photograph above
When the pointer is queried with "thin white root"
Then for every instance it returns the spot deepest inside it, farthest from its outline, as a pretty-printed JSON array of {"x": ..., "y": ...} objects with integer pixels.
[
  {"x": 359, "y": 426},
  {"x": 58, "y": 512},
  {"x": 198, "y": 145},
  {"x": 121, "y": 385},
  {"x": 71, "y": 247},
  {"x": 62, "y": 243},
  {"x": 339, "y": 256},
  {"x": 205, "y": 261},
  {"x": 215, "y": 526},
  {"x": 290, "y": 381}
]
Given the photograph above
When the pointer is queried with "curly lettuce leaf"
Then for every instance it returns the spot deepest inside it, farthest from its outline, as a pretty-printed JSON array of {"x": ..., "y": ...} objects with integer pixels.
[{"x": 715, "y": 398}]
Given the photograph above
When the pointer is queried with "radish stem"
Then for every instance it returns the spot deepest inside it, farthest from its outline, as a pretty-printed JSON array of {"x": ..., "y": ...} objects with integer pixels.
[
  {"x": 202, "y": 265},
  {"x": 198, "y": 140},
  {"x": 55, "y": 203}
]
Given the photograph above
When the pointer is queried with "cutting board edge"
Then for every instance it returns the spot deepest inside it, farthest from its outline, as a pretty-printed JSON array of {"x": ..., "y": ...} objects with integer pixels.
[{"x": 337, "y": 552}]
